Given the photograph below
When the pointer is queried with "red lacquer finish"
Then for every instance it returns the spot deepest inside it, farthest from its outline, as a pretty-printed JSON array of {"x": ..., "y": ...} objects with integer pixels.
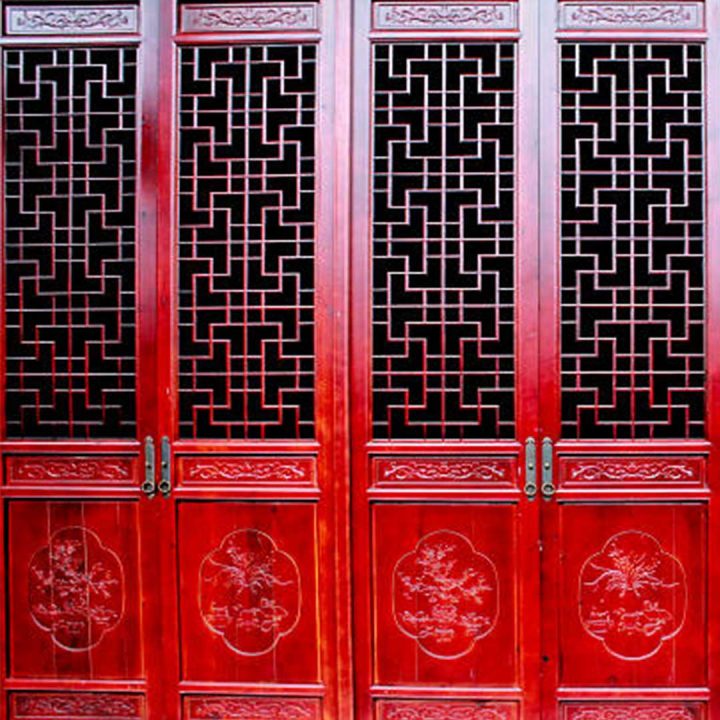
[{"x": 357, "y": 360}]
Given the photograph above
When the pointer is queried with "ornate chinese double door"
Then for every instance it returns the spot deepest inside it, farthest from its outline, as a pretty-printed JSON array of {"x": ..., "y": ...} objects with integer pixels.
[{"x": 360, "y": 360}]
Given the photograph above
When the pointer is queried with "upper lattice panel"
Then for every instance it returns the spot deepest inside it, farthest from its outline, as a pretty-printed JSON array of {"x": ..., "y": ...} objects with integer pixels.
[
  {"x": 632, "y": 241},
  {"x": 443, "y": 212},
  {"x": 247, "y": 156},
  {"x": 70, "y": 118}
]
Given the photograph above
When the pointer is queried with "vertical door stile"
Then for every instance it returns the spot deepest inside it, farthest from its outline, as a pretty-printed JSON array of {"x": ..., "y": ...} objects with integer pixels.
[
  {"x": 150, "y": 536},
  {"x": 712, "y": 274},
  {"x": 167, "y": 702},
  {"x": 529, "y": 321},
  {"x": 339, "y": 45}
]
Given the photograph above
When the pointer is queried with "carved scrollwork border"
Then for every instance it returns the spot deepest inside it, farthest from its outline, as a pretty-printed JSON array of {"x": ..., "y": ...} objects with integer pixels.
[
  {"x": 631, "y": 16},
  {"x": 72, "y": 20},
  {"x": 248, "y": 470},
  {"x": 77, "y": 705},
  {"x": 632, "y": 471},
  {"x": 445, "y": 16},
  {"x": 245, "y": 708},
  {"x": 464, "y": 471},
  {"x": 249, "y": 17}
]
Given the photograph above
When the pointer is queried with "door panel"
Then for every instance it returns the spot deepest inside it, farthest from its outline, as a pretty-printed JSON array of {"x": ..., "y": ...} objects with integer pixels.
[
  {"x": 441, "y": 366},
  {"x": 633, "y": 594},
  {"x": 251, "y": 386},
  {"x": 632, "y": 237},
  {"x": 77, "y": 255},
  {"x": 70, "y": 168},
  {"x": 75, "y": 590},
  {"x": 444, "y": 579},
  {"x": 248, "y": 592}
]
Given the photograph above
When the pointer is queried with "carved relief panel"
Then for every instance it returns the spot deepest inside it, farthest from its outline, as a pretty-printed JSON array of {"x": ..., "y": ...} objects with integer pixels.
[
  {"x": 76, "y": 706},
  {"x": 248, "y": 592},
  {"x": 445, "y": 593},
  {"x": 429, "y": 710},
  {"x": 247, "y": 708},
  {"x": 74, "y": 589},
  {"x": 633, "y": 711},
  {"x": 633, "y": 594}
]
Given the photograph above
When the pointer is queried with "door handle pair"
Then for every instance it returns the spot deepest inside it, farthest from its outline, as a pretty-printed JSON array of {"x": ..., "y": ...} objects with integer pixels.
[
  {"x": 149, "y": 486},
  {"x": 547, "y": 485}
]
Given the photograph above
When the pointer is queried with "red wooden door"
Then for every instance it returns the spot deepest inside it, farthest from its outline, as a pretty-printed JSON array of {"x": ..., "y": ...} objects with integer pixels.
[
  {"x": 559, "y": 156},
  {"x": 173, "y": 388},
  {"x": 251, "y": 311},
  {"x": 78, "y": 395},
  {"x": 444, "y": 384},
  {"x": 628, "y": 381}
]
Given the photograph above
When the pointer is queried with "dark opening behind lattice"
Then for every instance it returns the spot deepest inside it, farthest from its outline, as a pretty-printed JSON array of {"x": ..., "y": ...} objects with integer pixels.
[
  {"x": 70, "y": 242},
  {"x": 632, "y": 241},
  {"x": 247, "y": 241},
  {"x": 443, "y": 212}
]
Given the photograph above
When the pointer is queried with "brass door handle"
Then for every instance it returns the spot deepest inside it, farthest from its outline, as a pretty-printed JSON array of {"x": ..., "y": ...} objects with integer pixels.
[
  {"x": 530, "y": 468},
  {"x": 548, "y": 486},
  {"x": 165, "y": 484},
  {"x": 148, "y": 486}
]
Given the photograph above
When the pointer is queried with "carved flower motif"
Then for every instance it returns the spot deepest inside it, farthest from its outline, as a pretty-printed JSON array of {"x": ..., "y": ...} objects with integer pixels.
[
  {"x": 76, "y": 588},
  {"x": 445, "y": 594},
  {"x": 249, "y": 592},
  {"x": 633, "y": 595}
]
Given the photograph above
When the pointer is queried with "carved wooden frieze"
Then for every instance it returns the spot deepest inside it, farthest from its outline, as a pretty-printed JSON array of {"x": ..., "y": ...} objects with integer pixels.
[
  {"x": 446, "y": 472},
  {"x": 76, "y": 705},
  {"x": 660, "y": 471},
  {"x": 71, "y": 469},
  {"x": 632, "y": 711},
  {"x": 429, "y": 710},
  {"x": 445, "y": 16},
  {"x": 631, "y": 16},
  {"x": 71, "y": 20},
  {"x": 250, "y": 17},
  {"x": 245, "y": 708},
  {"x": 247, "y": 470}
]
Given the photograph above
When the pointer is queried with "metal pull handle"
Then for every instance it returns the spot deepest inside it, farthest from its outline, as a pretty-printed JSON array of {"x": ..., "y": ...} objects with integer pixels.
[
  {"x": 530, "y": 468},
  {"x": 165, "y": 486},
  {"x": 148, "y": 486},
  {"x": 548, "y": 487}
]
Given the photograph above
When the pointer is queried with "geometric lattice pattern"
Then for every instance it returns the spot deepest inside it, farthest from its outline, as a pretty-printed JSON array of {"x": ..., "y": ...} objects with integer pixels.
[
  {"x": 443, "y": 241},
  {"x": 246, "y": 241},
  {"x": 632, "y": 290},
  {"x": 69, "y": 275}
]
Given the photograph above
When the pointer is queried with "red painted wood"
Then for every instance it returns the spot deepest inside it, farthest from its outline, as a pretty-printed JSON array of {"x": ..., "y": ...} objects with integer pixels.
[{"x": 355, "y": 565}]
